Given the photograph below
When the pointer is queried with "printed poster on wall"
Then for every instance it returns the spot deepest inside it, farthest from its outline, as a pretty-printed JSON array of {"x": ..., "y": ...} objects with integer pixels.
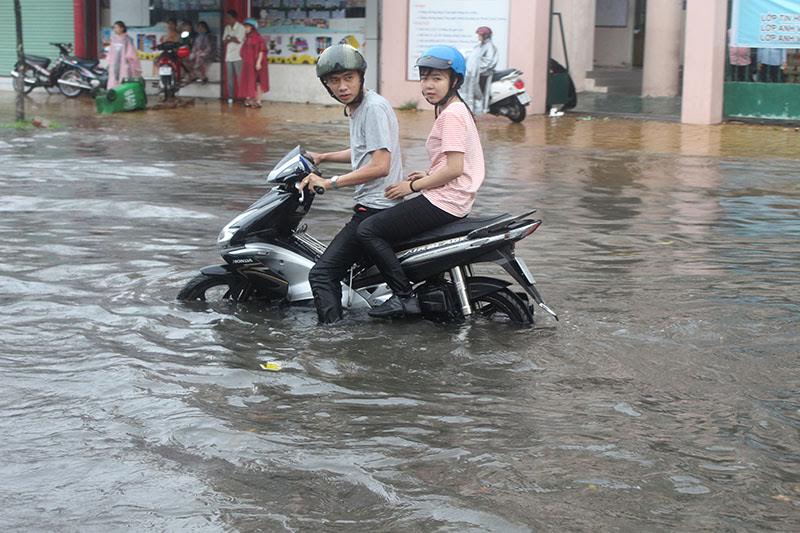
[
  {"x": 453, "y": 22},
  {"x": 302, "y": 47},
  {"x": 765, "y": 23}
]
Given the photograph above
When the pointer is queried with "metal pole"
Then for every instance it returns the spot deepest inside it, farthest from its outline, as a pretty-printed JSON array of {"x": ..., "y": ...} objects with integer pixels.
[
  {"x": 549, "y": 55},
  {"x": 21, "y": 60}
]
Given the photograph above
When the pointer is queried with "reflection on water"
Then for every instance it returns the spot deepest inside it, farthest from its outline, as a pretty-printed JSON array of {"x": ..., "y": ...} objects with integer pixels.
[{"x": 665, "y": 398}]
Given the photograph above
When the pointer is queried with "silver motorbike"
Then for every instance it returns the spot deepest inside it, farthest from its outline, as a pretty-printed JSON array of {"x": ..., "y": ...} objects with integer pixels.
[{"x": 268, "y": 254}]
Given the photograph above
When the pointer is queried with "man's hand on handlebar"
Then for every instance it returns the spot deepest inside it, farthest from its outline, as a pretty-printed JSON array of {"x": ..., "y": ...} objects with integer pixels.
[
  {"x": 318, "y": 184},
  {"x": 315, "y": 157}
]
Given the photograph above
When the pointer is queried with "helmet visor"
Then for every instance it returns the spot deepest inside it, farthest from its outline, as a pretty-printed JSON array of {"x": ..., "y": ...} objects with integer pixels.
[{"x": 434, "y": 62}]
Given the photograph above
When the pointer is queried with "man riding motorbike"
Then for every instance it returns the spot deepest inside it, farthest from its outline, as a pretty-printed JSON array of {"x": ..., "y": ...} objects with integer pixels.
[{"x": 374, "y": 155}]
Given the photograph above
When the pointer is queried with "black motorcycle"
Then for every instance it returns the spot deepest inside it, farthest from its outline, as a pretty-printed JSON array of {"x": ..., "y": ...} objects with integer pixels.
[
  {"x": 268, "y": 256},
  {"x": 69, "y": 75},
  {"x": 82, "y": 76},
  {"x": 36, "y": 71}
]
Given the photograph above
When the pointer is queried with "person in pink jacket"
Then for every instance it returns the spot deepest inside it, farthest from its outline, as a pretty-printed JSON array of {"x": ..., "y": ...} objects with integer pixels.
[
  {"x": 123, "y": 61},
  {"x": 740, "y": 60}
]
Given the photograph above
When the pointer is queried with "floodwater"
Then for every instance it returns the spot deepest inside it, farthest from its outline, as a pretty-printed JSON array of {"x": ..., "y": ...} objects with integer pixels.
[{"x": 665, "y": 399}]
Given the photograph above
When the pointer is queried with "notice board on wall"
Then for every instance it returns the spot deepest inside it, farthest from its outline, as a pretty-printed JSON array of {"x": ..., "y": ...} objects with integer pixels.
[
  {"x": 611, "y": 13},
  {"x": 453, "y": 22},
  {"x": 765, "y": 23}
]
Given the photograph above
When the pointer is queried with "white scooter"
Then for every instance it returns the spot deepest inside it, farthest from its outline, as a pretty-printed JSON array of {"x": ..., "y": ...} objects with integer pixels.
[{"x": 506, "y": 95}]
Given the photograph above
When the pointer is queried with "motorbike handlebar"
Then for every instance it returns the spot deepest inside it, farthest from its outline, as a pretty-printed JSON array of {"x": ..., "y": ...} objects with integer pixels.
[{"x": 319, "y": 189}]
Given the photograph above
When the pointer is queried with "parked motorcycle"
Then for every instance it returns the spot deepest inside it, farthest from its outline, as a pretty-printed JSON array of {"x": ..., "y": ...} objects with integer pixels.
[
  {"x": 81, "y": 75},
  {"x": 36, "y": 71},
  {"x": 170, "y": 66},
  {"x": 507, "y": 96},
  {"x": 68, "y": 74},
  {"x": 268, "y": 256}
]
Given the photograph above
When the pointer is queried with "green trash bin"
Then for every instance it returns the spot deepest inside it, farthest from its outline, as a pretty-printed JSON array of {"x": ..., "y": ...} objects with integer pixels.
[{"x": 128, "y": 96}]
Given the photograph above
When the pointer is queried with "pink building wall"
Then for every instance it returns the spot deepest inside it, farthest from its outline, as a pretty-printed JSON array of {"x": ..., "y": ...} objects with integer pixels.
[
  {"x": 528, "y": 36},
  {"x": 704, "y": 61}
]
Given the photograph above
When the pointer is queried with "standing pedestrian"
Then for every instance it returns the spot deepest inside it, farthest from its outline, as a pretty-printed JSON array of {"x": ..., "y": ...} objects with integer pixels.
[
  {"x": 771, "y": 61},
  {"x": 480, "y": 63},
  {"x": 740, "y": 60},
  {"x": 232, "y": 39},
  {"x": 123, "y": 60},
  {"x": 254, "y": 78}
]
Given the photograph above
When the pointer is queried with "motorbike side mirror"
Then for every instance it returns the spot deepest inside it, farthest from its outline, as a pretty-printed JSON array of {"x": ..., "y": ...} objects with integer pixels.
[{"x": 184, "y": 35}]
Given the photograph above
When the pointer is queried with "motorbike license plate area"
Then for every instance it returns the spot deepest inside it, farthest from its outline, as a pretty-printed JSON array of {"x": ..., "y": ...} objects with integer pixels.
[
  {"x": 523, "y": 98},
  {"x": 165, "y": 71}
]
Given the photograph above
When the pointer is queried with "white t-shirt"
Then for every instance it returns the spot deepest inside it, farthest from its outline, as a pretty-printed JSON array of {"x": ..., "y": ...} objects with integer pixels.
[{"x": 232, "y": 49}]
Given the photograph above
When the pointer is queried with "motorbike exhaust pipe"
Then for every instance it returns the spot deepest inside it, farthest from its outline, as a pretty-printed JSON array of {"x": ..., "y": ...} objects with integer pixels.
[
  {"x": 15, "y": 74},
  {"x": 75, "y": 84}
]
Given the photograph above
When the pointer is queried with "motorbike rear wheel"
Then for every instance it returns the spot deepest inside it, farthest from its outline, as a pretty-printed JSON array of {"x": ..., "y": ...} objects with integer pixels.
[
  {"x": 168, "y": 88},
  {"x": 24, "y": 74},
  {"x": 68, "y": 90},
  {"x": 503, "y": 306},
  {"x": 516, "y": 111},
  {"x": 204, "y": 288}
]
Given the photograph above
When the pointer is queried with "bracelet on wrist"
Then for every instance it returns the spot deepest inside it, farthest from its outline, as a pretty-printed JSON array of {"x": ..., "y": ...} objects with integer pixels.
[{"x": 411, "y": 186}]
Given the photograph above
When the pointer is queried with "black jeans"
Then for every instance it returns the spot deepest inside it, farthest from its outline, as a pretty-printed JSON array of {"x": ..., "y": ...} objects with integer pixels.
[
  {"x": 395, "y": 224},
  {"x": 331, "y": 268},
  {"x": 740, "y": 73},
  {"x": 771, "y": 73}
]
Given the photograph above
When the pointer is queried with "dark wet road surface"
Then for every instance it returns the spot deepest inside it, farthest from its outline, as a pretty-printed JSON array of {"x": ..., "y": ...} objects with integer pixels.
[{"x": 665, "y": 399}]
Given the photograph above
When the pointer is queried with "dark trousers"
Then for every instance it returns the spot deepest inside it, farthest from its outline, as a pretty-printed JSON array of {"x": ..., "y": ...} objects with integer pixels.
[
  {"x": 331, "y": 268},
  {"x": 396, "y": 224},
  {"x": 740, "y": 73},
  {"x": 771, "y": 73}
]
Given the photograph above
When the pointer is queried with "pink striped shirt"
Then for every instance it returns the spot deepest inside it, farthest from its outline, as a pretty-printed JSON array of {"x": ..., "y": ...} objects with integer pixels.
[{"x": 455, "y": 131}]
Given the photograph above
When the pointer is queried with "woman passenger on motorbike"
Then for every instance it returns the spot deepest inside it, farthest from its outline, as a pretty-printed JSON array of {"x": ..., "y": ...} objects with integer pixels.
[{"x": 447, "y": 188}]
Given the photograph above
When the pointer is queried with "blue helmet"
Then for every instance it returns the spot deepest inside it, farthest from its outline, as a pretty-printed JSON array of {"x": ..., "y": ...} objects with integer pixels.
[{"x": 443, "y": 57}]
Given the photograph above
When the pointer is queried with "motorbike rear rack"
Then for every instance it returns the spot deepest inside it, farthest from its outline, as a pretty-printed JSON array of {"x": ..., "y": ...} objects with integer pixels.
[{"x": 501, "y": 224}]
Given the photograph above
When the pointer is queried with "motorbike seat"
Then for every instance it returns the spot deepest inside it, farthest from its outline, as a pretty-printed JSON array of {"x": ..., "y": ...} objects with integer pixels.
[
  {"x": 459, "y": 228},
  {"x": 39, "y": 60},
  {"x": 85, "y": 63},
  {"x": 500, "y": 74}
]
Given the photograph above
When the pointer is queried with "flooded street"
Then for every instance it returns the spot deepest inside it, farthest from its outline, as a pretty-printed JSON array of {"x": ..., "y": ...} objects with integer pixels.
[{"x": 665, "y": 399}]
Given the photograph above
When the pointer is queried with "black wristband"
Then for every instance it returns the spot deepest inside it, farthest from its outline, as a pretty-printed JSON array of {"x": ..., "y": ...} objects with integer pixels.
[{"x": 411, "y": 186}]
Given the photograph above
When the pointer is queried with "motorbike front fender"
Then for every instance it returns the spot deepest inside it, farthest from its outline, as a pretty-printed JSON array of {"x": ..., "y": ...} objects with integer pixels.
[
  {"x": 265, "y": 280},
  {"x": 218, "y": 270}
]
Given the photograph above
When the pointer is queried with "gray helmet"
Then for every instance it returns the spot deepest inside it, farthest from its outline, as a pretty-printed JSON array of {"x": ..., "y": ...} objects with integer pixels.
[{"x": 339, "y": 58}]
